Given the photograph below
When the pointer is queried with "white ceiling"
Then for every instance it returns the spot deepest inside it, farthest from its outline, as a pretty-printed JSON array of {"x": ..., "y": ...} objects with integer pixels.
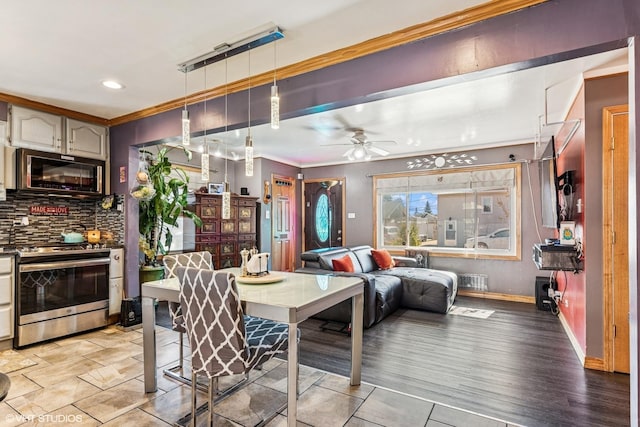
[{"x": 59, "y": 52}]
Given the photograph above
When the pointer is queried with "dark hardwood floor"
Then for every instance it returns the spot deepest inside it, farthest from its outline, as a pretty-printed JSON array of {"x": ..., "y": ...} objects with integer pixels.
[{"x": 517, "y": 365}]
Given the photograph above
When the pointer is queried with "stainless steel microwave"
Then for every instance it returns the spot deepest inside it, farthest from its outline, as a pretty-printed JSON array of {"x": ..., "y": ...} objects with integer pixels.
[{"x": 59, "y": 174}]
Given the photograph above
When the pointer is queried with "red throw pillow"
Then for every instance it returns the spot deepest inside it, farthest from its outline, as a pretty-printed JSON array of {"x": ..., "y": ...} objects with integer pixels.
[
  {"x": 343, "y": 264},
  {"x": 382, "y": 257}
]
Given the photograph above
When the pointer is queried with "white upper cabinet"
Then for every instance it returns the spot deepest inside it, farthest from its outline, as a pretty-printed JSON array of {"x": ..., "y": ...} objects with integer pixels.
[
  {"x": 44, "y": 132},
  {"x": 86, "y": 139},
  {"x": 35, "y": 130}
]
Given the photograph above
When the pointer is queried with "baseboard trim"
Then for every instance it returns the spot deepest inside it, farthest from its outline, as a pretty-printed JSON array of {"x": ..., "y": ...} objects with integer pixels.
[
  {"x": 497, "y": 296},
  {"x": 594, "y": 363},
  {"x": 572, "y": 338}
]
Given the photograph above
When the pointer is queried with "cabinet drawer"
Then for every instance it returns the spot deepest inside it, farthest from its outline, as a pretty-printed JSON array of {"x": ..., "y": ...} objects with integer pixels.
[
  {"x": 243, "y": 202},
  {"x": 6, "y": 288},
  {"x": 211, "y": 201},
  {"x": 6, "y": 264},
  {"x": 207, "y": 238},
  {"x": 242, "y": 237}
]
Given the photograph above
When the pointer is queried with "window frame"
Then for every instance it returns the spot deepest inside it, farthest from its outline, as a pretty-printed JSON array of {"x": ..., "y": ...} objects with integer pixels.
[{"x": 451, "y": 252}]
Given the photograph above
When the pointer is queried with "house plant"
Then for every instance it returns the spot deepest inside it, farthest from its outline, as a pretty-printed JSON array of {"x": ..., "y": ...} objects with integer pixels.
[{"x": 162, "y": 190}]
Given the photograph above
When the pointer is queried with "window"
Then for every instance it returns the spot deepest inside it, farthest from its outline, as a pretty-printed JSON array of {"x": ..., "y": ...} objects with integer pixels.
[
  {"x": 463, "y": 212},
  {"x": 322, "y": 218}
]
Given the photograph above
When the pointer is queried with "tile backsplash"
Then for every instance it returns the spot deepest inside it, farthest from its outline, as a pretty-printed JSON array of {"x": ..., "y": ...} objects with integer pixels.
[{"x": 48, "y": 228}]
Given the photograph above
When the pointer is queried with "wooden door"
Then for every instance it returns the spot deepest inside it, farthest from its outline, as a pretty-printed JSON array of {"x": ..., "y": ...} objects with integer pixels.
[
  {"x": 616, "y": 260},
  {"x": 323, "y": 213},
  {"x": 283, "y": 242}
]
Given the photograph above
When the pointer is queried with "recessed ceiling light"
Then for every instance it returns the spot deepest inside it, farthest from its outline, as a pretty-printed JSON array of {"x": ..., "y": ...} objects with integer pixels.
[{"x": 112, "y": 84}]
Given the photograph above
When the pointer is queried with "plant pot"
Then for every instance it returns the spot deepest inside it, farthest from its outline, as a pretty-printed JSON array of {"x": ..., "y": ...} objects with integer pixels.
[{"x": 148, "y": 274}]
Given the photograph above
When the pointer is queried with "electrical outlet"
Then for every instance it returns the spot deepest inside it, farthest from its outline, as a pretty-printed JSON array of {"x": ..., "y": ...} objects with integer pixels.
[{"x": 566, "y": 302}]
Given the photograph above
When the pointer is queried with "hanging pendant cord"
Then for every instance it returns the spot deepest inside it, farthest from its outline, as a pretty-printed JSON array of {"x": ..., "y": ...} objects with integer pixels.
[
  {"x": 249, "y": 124},
  {"x": 226, "y": 118},
  {"x": 185, "y": 90}
]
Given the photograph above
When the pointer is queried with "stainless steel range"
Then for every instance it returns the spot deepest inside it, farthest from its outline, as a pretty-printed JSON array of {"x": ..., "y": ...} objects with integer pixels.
[{"x": 60, "y": 290}]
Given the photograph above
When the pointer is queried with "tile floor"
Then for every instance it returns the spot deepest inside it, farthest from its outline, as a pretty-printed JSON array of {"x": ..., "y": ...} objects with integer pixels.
[{"x": 96, "y": 379}]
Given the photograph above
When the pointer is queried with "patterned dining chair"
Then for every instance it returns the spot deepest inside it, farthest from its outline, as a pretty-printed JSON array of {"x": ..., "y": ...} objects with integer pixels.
[
  {"x": 202, "y": 260},
  {"x": 222, "y": 344}
]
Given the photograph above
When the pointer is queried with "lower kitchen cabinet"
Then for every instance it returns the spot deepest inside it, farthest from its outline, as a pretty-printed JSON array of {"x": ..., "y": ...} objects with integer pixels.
[
  {"x": 116, "y": 280},
  {"x": 7, "y": 286}
]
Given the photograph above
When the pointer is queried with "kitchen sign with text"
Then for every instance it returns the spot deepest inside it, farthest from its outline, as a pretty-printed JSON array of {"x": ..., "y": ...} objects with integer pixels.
[{"x": 48, "y": 210}]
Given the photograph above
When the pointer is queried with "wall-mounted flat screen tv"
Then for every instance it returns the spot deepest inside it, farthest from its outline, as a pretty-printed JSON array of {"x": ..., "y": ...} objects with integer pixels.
[{"x": 549, "y": 187}]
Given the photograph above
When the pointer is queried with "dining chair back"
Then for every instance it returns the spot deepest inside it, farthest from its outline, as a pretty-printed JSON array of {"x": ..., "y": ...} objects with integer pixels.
[
  {"x": 221, "y": 342},
  {"x": 201, "y": 259}
]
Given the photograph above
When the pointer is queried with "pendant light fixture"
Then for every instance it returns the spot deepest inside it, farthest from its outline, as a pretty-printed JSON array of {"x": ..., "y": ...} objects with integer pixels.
[
  {"x": 248, "y": 145},
  {"x": 275, "y": 98},
  {"x": 226, "y": 195},
  {"x": 186, "y": 124},
  {"x": 204, "y": 158}
]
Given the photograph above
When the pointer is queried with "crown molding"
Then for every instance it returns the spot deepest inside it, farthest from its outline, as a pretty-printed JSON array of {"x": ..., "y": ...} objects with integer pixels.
[{"x": 407, "y": 35}]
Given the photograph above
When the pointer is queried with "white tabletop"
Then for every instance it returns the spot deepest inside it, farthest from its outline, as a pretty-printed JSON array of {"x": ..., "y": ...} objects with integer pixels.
[{"x": 292, "y": 300}]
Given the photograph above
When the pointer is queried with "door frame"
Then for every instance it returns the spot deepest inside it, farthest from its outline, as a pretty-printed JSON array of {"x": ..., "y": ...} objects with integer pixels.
[
  {"x": 292, "y": 220},
  {"x": 343, "y": 181},
  {"x": 607, "y": 233}
]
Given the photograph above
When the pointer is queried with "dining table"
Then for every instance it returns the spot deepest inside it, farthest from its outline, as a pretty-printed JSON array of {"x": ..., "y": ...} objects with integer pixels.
[{"x": 285, "y": 297}]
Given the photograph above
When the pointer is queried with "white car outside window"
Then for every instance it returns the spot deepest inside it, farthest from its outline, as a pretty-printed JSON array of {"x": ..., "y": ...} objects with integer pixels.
[{"x": 499, "y": 239}]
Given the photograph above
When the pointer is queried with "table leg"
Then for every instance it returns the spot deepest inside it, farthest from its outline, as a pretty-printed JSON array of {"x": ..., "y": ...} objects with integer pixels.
[
  {"x": 357, "y": 313},
  {"x": 149, "y": 344},
  {"x": 292, "y": 376}
]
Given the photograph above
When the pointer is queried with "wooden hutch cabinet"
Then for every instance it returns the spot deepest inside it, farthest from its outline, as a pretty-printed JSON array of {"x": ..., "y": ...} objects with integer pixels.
[{"x": 225, "y": 238}]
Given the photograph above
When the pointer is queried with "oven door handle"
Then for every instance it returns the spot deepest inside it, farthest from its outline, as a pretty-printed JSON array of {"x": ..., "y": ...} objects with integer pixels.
[{"x": 63, "y": 264}]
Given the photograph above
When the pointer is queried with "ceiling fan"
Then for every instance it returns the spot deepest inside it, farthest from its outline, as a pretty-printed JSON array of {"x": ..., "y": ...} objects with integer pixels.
[{"x": 362, "y": 147}]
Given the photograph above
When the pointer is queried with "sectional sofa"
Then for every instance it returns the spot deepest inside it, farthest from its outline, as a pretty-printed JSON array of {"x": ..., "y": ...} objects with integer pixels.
[{"x": 386, "y": 290}]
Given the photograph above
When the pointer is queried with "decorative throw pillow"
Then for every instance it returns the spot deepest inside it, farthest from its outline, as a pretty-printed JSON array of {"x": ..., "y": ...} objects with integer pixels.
[
  {"x": 343, "y": 264},
  {"x": 382, "y": 257}
]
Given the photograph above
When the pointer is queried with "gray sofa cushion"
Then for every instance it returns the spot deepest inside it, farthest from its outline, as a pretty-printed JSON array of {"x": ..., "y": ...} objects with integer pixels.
[
  {"x": 363, "y": 254},
  {"x": 388, "y": 295},
  {"x": 425, "y": 289}
]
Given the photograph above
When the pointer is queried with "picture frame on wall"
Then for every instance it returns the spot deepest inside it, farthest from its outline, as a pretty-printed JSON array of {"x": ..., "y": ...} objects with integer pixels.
[{"x": 215, "y": 188}]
